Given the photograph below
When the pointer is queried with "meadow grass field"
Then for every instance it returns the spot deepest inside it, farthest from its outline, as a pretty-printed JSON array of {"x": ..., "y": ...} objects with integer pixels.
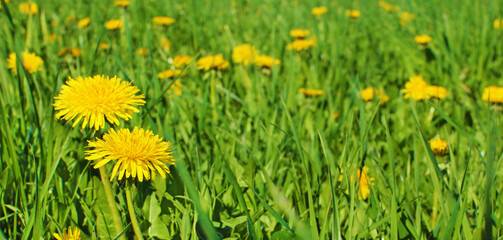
[{"x": 263, "y": 119}]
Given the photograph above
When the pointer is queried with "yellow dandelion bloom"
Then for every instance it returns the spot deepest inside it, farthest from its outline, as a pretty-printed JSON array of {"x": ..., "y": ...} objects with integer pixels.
[
  {"x": 266, "y": 61},
  {"x": 415, "y": 88},
  {"x": 82, "y": 23},
  {"x": 161, "y": 20},
  {"x": 210, "y": 62},
  {"x": 170, "y": 73},
  {"x": 498, "y": 23},
  {"x": 175, "y": 89},
  {"x": 433, "y": 91},
  {"x": 299, "y": 33},
  {"x": 165, "y": 44},
  {"x": 74, "y": 51},
  {"x": 493, "y": 94},
  {"x": 367, "y": 94},
  {"x": 387, "y": 7},
  {"x": 122, "y": 3},
  {"x": 423, "y": 39},
  {"x": 301, "y": 44},
  {"x": 68, "y": 234},
  {"x": 405, "y": 17},
  {"x": 318, "y": 11},
  {"x": 311, "y": 92},
  {"x": 142, "y": 51},
  {"x": 353, "y": 13},
  {"x": 139, "y": 153},
  {"x": 31, "y": 62},
  {"x": 114, "y": 24},
  {"x": 52, "y": 37},
  {"x": 181, "y": 61},
  {"x": 28, "y": 8},
  {"x": 364, "y": 182},
  {"x": 244, "y": 54},
  {"x": 103, "y": 46},
  {"x": 95, "y": 99},
  {"x": 438, "y": 146}
]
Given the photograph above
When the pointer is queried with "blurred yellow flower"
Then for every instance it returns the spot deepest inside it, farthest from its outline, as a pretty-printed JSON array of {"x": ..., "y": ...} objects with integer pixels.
[
  {"x": 181, "y": 61},
  {"x": 103, "y": 46},
  {"x": 84, "y": 22},
  {"x": 142, "y": 51},
  {"x": 28, "y": 8},
  {"x": 95, "y": 99},
  {"x": 210, "y": 62},
  {"x": 175, "y": 89},
  {"x": 353, "y": 13},
  {"x": 311, "y": 92},
  {"x": 498, "y": 23},
  {"x": 433, "y": 91},
  {"x": 364, "y": 182},
  {"x": 74, "y": 51},
  {"x": 266, "y": 61},
  {"x": 139, "y": 153},
  {"x": 244, "y": 54},
  {"x": 493, "y": 94},
  {"x": 405, "y": 17},
  {"x": 318, "y": 11},
  {"x": 122, "y": 3},
  {"x": 415, "y": 88},
  {"x": 299, "y": 33},
  {"x": 335, "y": 115},
  {"x": 68, "y": 234},
  {"x": 31, "y": 62},
  {"x": 423, "y": 39},
  {"x": 165, "y": 44},
  {"x": 170, "y": 73},
  {"x": 161, "y": 20},
  {"x": 438, "y": 146},
  {"x": 301, "y": 44},
  {"x": 114, "y": 24},
  {"x": 368, "y": 94},
  {"x": 388, "y": 7}
]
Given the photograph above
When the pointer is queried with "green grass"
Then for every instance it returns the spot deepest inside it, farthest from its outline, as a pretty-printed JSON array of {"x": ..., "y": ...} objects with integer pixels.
[{"x": 256, "y": 159}]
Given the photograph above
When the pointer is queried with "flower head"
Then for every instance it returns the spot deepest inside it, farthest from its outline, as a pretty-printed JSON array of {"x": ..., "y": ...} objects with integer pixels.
[
  {"x": 266, "y": 61},
  {"x": 95, "y": 98},
  {"x": 438, "y": 146},
  {"x": 103, "y": 46},
  {"x": 31, "y": 62},
  {"x": 299, "y": 33},
  {"x": 498, "y": 23},
  {"x": 244, "y": 54},
  {"x": 114, "y": 24},
  {"x": 353, "y": 13},
  {"x": 170, "y": 73},
  {"x": 74, "y": 51},
  {"x": 415, "y": 88},
  {"x": 161, "y": 20},
  {"x": 433, "y": 91},
  {"x": 423, "y": 39},
  {"x": 122, "y": 3},
  {"x": 165, "y": 44},
  {"x": 368, "y": 94},
  {"x": 28, "y": 8},
  {"x": 139, "y": 153},
  {"x": 210, "y": 62},
  {"x": 387, "y": 7},
  {"x": 84, "y": 22},
  {"x": 175, "y": 89},
  {"x": 311, "y": 92},
  {"x": 493, "y": 94},
  {"x": 364, "y": 182},
  {"x": 68, "y": 234},
  {"x": 318, "y": 11},
  {"x": 181, "y": 61},
  {"x": 405, "y": 17},
  {"x": 142, "y": 51},
  {"x": 301, "y": 44}
]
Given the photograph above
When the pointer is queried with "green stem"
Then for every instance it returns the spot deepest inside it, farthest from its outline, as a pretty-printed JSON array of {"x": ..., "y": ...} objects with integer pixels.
[
  {"x": 111, "y": 202},
  {"x": 212, "y": 96},
  {"x": 132, "y": 215}
]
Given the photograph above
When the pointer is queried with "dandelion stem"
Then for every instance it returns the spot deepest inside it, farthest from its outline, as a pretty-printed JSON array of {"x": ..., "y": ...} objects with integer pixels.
[
  {"x": 132, "y": 215},
  {"x": 111, "y": 202},
  {"x": 212, "y": 96}
]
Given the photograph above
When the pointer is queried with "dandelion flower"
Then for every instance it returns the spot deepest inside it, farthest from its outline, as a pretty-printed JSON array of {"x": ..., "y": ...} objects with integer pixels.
[
  {"x": 318, "y": 11},
  {"x": 28, "y": 8},
  {"x": 122, "y": 3},
  {"x": 405, "y": 17},
  {"x": 353, "y": 13},
  {"x": 438, "y": 146},
  {"x": 181, "y": 61},
  {"x": 84, "y": 22},
  {"x": 170, "y": 73},
  {"x": 165, "y": 44},
  {"x": 415, "y": 88},
  {"x": 364, "y": 182},
  {"x": 175, "y": 89},
  {"x": 266, "y": 61},
  {"x": 433, "y": 91},
  {"x": 95, "y": 99},
  {"x": 498, "y": 23},
  {"x": 139, "y": 154},
  {"x": 311, "y": 92},
  {"x": 142, "y": 51},
  {"x": 31, "y": 62},
  {"x": 367, "y": 94},
  {"x": 244, "y": 54},
  {"x": 210, "y": 62},
  {"x": 68, "y": 234},
  {"x": 301, "y": 44},
  {"x": 423, "y": 39},
  {"x": 493, "y": 94},
  {"x": 387, "y": 7},
  {"x": 299, "y": 33},
  {"x": 161, "y": 20},
  {"x": 114, "y": 24},
  {"x": 74, "y": 51},
  {"x": 103, "y": 46}
]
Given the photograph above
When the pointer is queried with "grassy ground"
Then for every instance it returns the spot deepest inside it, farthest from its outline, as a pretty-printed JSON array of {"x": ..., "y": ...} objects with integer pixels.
[{"x": 255, "y": 158}]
